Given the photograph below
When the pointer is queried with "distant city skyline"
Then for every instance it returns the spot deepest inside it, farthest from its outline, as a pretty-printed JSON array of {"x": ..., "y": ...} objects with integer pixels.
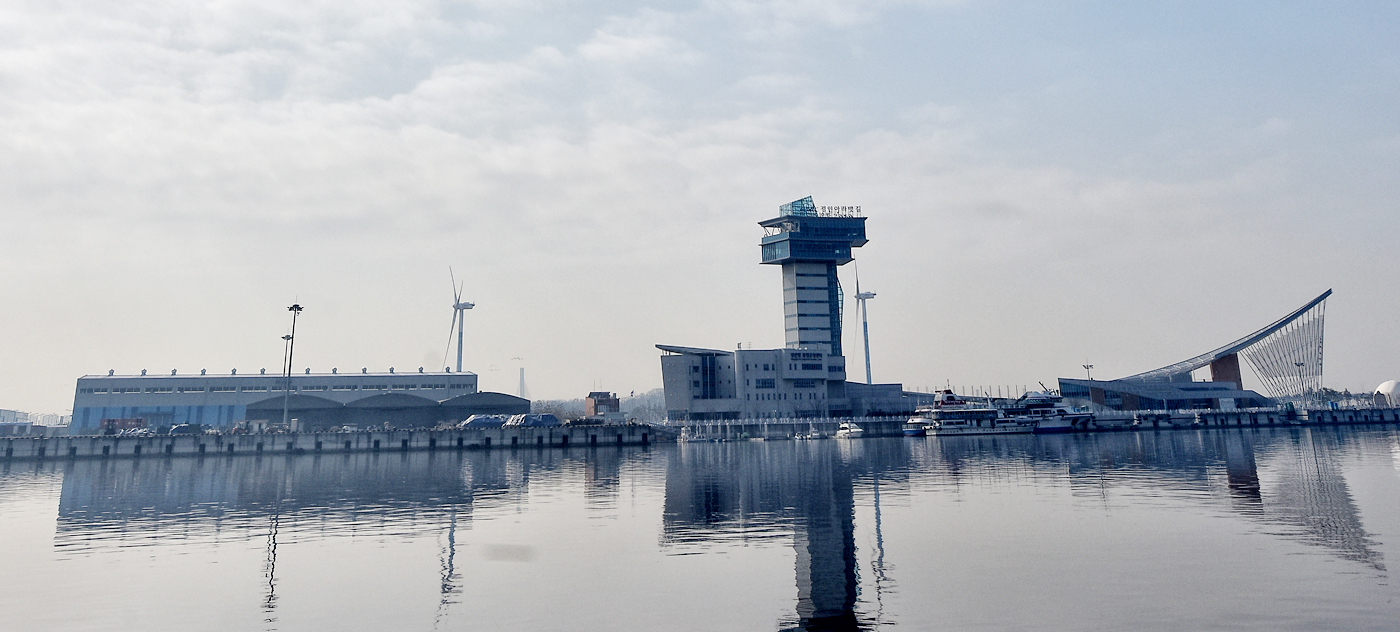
[{"x": 1048, "y": 185}]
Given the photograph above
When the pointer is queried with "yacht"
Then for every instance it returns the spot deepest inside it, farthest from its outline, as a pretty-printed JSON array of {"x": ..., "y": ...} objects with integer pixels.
[
  {"x": 1045, "y": 413},
  {"x": 951, "y": 415}
]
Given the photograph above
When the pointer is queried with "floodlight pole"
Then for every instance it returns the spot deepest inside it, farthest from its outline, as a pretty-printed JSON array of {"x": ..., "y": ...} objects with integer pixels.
[{"x": 291, "y": 339}]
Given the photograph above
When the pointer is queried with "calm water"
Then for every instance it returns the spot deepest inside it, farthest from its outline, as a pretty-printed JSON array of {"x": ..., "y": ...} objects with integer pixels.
[{"x": 1272, "y": 529}]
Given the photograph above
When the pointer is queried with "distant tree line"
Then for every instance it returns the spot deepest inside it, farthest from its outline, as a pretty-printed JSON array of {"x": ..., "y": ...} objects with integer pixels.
[{"x": 648, "y": 407}]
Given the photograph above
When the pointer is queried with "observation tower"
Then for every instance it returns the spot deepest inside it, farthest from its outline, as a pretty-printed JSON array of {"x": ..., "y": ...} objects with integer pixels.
[{"x": 809, "y": 243}]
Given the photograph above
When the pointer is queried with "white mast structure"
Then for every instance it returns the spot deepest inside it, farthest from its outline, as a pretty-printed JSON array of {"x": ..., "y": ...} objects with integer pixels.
[
  {"x": 522, "y": 392},
  {"x": 861, "y": 297}
]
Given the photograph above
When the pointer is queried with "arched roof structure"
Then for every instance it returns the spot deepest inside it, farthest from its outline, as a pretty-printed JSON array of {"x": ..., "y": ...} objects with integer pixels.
[
  {"x": 1286, "y": 355},
  {"x": 393, "y": 400},
  {"x": 295, "y": 402},
  {"x": 486, "y": 398}
]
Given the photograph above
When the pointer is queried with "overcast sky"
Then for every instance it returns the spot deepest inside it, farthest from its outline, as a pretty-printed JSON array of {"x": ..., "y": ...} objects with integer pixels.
[{"x": 1047, "y": 183}]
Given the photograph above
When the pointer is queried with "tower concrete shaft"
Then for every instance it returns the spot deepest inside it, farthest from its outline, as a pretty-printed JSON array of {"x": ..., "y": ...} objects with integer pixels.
[{"x": 809, "y": 245}]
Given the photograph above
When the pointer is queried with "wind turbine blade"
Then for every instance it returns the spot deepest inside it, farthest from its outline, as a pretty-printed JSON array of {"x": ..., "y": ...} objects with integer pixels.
[
  {"x": 456, "y": 293},
  {"x": 450, "y": 330}
]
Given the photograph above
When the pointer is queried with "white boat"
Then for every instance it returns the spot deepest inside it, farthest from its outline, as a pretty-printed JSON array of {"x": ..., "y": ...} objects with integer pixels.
[
  {"x": 849, "y": 429},
  {"x": 1045, "y": 413},
  {"x": 953, "y": 416}
]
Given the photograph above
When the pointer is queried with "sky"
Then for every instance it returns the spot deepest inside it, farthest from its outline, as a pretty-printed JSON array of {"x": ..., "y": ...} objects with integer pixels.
[{"x": 1048, "y": 184}]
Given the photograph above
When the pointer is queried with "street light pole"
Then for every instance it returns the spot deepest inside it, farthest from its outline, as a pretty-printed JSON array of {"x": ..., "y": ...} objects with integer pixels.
[
  {"x": 1302, "y": 385},
  {"x": 286, "y": 372},
  {"x": 291, "y": 339}
]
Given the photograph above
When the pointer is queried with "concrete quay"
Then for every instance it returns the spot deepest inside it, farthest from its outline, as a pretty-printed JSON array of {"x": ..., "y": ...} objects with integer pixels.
[
  {"x": 739, "y": 430},
  {"x": 1163, "y": 419},
  {"x": 516, "y": 437},
  {"x": 773, "y": 429}
]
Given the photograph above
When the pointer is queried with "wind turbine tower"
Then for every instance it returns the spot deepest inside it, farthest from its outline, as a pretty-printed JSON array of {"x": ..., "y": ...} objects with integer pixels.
[
  {"x": 459, "y": 310},
  {"x": 861, "y": 298}
]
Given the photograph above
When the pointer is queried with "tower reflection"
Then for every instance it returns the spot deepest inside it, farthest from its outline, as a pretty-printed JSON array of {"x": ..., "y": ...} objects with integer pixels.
[{"x": 803, "y": 490}]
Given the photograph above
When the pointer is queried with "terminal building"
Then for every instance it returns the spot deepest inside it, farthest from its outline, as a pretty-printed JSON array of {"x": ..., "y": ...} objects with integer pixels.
[
  {"x": 316, "y": 400},
  {"x": 806, "y": 378},
  {"x": 1286, "y": 355}
]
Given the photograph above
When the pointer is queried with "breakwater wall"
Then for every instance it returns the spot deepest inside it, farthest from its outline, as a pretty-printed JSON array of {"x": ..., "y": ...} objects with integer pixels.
[{"x": 518, "y": 437}]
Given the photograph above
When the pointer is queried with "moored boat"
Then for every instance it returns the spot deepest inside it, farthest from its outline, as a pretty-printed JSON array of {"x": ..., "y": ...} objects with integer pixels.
[
  {"x": 849, "y": 429},
  {"x": 951, "y": 415},
  {"x": 1046, "y": 414}
]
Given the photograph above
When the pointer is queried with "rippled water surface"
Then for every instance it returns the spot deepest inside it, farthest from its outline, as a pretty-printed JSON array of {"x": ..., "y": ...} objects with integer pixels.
[{"x": 1267, "y": 529}]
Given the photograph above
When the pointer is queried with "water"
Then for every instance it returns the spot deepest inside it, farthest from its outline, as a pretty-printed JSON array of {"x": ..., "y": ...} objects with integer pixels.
[{"x": 1227, "y": 529}]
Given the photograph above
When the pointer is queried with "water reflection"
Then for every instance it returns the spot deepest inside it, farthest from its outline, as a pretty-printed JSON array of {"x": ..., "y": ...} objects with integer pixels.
[
  {"x": 802, "y": 494},
  {"x": 1312, "y": 494},
  {"x": 150, "y": 502},
  {"x": 804, "y": 490},
  {"x": 801, "y": 490}
]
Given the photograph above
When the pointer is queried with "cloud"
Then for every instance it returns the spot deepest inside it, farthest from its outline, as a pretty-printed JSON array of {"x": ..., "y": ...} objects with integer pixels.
[
  {"x": 172, "y": 174},
  {"x": 640, "y": 39}
]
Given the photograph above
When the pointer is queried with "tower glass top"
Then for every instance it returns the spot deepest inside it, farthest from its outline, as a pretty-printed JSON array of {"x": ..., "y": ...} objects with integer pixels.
[
  {"x": 804, "y": 207},
  {"x": 804, "y": 231}
]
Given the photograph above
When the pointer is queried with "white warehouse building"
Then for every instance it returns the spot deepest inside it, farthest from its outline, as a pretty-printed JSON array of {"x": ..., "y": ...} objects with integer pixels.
[{"x": 221, "y": 400}]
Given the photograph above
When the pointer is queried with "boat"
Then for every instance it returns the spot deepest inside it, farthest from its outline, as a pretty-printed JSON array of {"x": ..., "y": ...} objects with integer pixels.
[
  {"x": 951, "y": 415},
  {"x": 849, "y": 429},
  {"x": 1045, "y": 413},
  {"x": 915, "y": 426}
]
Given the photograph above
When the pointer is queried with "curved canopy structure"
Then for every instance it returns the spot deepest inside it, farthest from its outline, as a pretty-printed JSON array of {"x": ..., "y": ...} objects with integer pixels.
[
  {"x": 296, "y": 402},
  {"x": 1286, "y": 355},
  {"x": 392, "y": 400}
]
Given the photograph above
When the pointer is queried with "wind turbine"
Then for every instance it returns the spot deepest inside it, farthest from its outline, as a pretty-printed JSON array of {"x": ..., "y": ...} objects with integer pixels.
[
  {"x": 459, "y": 309},
  {"x": 861, "y": 297}
]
